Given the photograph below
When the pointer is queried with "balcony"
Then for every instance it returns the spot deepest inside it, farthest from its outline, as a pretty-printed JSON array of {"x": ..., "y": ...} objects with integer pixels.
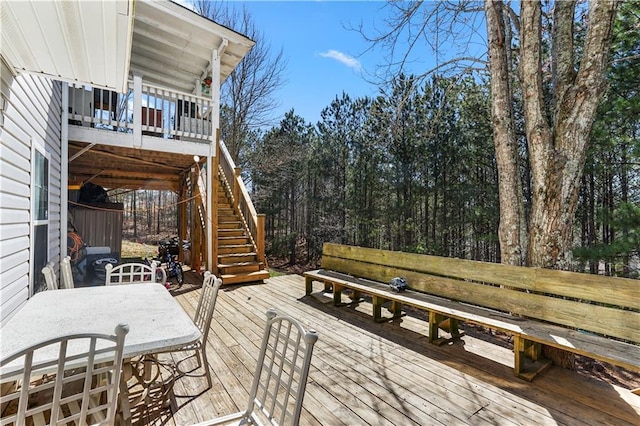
[{"x": 145, "y": 110}]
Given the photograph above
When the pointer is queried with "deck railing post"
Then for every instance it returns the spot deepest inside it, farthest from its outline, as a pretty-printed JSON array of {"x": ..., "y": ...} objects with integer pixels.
[
  {"x": 236, "y": 187},
  {"x": 260, "y": 227},
  {"x": 137, "y": 110}
]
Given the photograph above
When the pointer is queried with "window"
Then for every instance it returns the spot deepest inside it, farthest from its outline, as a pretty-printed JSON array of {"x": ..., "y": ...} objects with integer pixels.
[{"x": 40, "y": 219}]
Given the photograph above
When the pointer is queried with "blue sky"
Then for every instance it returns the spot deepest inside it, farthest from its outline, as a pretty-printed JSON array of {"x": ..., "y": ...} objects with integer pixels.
[{"x": 324, "y": 58}]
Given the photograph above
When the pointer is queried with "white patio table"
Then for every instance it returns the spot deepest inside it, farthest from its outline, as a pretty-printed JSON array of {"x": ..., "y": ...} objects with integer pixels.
[{"x": 156, "y": 321}]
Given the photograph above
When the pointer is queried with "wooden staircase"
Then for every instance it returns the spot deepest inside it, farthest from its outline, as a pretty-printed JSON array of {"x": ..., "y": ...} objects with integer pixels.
[{"x": 237, "y": 260}]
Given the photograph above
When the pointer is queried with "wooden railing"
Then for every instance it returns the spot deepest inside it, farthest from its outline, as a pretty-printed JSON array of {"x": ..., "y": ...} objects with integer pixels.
[
  {"x": 163, "y": 113},
  {"x": 253, "y": 222}
]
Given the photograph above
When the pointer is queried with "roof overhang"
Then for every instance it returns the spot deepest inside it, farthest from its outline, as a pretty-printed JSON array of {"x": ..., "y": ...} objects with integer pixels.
[
  {"x": 103, "y": 42},
  {"x": 87, "y": 42},
  {"x": 173, "y": 46}
]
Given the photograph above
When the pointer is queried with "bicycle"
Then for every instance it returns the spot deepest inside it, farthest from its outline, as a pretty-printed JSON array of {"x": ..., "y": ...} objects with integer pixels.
[{"x": 167, "y": 261}]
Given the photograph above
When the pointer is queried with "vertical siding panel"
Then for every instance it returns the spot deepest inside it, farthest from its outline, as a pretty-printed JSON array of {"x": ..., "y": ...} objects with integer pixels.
[{"x": 32, "y": 107}]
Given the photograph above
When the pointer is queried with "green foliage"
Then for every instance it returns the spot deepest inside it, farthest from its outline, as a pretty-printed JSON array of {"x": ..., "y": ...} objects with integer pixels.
[
  {"x": 412, "y": 170},
  {"x": 610, "y": 195}
]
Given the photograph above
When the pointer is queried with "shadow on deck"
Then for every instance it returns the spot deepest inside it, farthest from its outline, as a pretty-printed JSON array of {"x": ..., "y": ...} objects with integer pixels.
[{"x": 369, "y": 373}]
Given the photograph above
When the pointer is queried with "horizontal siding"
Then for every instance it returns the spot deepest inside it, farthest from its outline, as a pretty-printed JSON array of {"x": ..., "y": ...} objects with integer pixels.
[{"x": 32, "y": 115}]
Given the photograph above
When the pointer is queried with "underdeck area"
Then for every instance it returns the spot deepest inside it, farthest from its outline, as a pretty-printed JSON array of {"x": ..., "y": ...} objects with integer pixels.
[{"x": 367, "y": 373}]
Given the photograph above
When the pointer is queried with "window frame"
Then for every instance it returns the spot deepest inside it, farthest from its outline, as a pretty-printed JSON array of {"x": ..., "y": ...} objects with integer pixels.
[{"x": 38, "y": 148}]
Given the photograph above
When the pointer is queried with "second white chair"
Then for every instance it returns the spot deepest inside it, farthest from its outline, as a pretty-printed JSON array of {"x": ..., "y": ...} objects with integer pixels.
[
  {"x": 50, "y": 276},
  {"x": 202, "y": 319},
  {"x": 66, "y": 276},
  {"x": 130, "y": 273}
]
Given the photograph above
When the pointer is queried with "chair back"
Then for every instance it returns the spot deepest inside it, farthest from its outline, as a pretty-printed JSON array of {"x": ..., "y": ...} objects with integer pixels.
[
  {"x": 50, "y": 276},
  {"x": 66, "y": 276},
  {"x": 280, "y": 378},
  {"x": 130, "y": 273},
  {"x": 72, "y": 379},
  {"x": 207, "y": 303}
]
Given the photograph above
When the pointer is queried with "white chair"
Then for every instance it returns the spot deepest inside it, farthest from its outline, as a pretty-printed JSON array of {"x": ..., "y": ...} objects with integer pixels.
[
  {"x": 66, "y": 276},
  {"x": 130, "y": 273},
  {"x": 50, "y": 276},
  {"x": 79, "y": 387},
  {"x": 202, "y": 319},
  {"x": 280, "y": 378}
]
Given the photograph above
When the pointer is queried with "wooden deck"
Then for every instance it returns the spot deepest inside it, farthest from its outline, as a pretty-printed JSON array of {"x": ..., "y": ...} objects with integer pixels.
[{"x": 364, "y": 373}]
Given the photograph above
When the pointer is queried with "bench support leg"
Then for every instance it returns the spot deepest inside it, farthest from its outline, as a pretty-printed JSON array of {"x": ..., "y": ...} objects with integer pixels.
[
  {"x": 439, "y": 322},
  {"x": 308, "y": 285},
  {"x": 528, "y": 358},
  {"x": 337, "y": 294},
  {"x": 395, "y": 309},
  {"x": 377, "y": 308}
]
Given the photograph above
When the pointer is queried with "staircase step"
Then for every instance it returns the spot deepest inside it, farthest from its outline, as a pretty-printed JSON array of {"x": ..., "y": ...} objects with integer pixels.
[
  {"x": 239, "y": 268},
  {"x": 230, "y": 225},
  {"x": 235, "y": 248},
  {"x": 236, "y": 257},
  {"x": 233, "y": 240},
  {"x": 244, "y": 278},
  {"x": 230, "y": 233}
]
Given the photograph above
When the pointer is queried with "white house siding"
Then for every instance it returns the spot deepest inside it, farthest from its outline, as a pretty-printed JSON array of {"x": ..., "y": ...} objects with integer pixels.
[{"x": 30, "y": 113}]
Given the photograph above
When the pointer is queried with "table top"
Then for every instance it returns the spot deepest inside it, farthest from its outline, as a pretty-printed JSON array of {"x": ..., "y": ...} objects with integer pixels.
[{"x": 156, "y": 320}]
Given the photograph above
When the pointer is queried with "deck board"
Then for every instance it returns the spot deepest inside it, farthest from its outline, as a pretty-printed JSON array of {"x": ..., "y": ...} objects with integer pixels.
[{"x": 367, "y": 373}]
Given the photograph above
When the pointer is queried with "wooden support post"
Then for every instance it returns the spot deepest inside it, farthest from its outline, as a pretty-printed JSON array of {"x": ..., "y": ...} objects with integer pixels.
[
  {"x": 182, "y": 216},
  {"x": 396, "y": 309},
  {"x": 260, "y": 238},
  {"x": 137, "y": 109},
  {"x": 337, "y": 294},
  {"x": 377, "y": 308},
  {"x": 434, "y": 329},
  {"x": 308, "y": 285},
  {"x": 212, "y": 213},
  {"x": 236, "y": 187},
  {"x": 525, "y": 350}
]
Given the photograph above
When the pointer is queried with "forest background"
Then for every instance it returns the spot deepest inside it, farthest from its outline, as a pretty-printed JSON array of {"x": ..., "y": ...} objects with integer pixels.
[{"x": 414, "y": 169}]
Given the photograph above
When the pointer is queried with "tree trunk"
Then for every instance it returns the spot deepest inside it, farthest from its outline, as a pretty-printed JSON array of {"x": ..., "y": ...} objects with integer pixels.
[
  {"x": 512, "y": 227},
  {"x": 557, "y": 151}
]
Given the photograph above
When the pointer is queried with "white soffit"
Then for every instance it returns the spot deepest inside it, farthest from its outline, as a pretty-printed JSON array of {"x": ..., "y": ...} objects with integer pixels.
[
  {"x": 78, "y": 41},
  {"x": 172, "y": 45}
]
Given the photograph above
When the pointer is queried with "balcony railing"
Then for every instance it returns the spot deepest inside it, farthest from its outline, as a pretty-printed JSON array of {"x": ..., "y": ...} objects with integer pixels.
[{"x": 163, "y": 113}]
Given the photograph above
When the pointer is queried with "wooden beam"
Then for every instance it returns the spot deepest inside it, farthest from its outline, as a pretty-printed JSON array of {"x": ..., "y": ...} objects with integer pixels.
[{"x": 135, "y": 160}]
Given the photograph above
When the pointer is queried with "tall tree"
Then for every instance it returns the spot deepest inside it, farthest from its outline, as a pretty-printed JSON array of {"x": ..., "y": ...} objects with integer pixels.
[
  {"x": 557, "y": 132},
  {"x": 548, "y": 60}
]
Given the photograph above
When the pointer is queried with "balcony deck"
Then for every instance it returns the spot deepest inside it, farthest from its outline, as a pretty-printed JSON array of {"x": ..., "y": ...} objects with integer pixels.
[{"x": 379, "y": 374}]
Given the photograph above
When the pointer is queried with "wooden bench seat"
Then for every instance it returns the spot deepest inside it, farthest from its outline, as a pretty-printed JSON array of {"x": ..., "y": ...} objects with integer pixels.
[{"x": 501, "y": 297}]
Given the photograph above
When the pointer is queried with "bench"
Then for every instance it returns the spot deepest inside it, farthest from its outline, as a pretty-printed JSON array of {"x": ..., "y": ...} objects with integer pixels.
[{"x": 589, "y": 315}]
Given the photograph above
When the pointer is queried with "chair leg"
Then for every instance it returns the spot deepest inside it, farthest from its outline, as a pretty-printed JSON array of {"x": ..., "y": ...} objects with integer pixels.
[
  {"x": 198, "y": 357},
  {"x": 205, "y": 365}
]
